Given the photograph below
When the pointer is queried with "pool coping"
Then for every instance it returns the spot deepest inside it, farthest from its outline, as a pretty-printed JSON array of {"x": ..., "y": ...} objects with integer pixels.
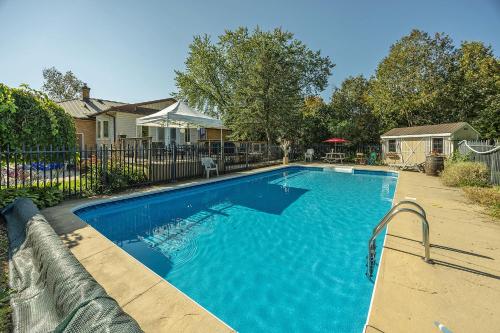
[{"x": 65, "y": 213}]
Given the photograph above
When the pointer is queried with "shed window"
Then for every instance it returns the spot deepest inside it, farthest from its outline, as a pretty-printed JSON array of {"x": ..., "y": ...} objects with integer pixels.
[
  {"x": 145, "y": 131},
  {"x": 98, "y": 129},
  {"x": 392, "y": 146},
  {"x": 105, "y": 129},
  {"x": 437, "y": 145},
  {"x": 187, "y": 135}
]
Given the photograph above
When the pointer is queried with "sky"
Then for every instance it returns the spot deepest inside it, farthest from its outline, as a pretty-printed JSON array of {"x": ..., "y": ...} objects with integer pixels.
[{"x": 128, "y": 50}]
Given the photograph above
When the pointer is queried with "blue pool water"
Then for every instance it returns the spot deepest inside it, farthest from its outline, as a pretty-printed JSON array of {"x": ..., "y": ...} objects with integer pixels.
[{"x": 281, "y": 251}]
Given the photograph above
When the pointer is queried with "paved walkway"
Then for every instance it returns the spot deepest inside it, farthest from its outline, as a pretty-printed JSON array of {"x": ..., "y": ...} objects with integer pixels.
[{"x": 462, "y": 289}]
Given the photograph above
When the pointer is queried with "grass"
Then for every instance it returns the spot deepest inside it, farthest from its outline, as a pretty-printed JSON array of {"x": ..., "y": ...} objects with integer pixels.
[
  {"x": 473, "y": 178},
  {"x": 465, "y": 174},
  {"x": 485, "y": 196},
  {"x": 5, "y": 320}
]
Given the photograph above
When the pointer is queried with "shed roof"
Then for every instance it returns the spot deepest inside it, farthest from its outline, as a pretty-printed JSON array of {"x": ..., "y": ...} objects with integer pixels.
[{"x": 448, "y": 128}]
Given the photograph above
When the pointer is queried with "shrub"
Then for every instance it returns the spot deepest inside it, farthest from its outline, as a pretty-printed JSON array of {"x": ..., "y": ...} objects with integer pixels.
[
  {"x": 486, "y": 196},
  {"x": 465, "y": 174},
  {"x": 29, "y": 118},
  {"x": 119, "y": 178},
  {"x": 42, "y": 196},
  {"x": 457, "y": 157}
]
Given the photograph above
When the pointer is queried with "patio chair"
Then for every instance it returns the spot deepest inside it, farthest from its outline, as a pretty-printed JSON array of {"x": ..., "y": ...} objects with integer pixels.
[
  {"x": 209, "y": 165},
  {"x": 360, "y": 158},
  {"x": 309, "y": 155}
]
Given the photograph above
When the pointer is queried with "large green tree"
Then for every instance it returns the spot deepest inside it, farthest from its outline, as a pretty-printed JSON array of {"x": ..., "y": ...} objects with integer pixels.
[
  {"x": 256, "y": 81},
  {"x": 313, "y": 123},
  {"x": 29, "y": 118},
  {"x": 478, "y": 88},
  {"x": 59, "y": 86},
  {"x": 414, "y": 84},
  {"x": 351, "y": 115},
  {"x": 427, "y": 80}
]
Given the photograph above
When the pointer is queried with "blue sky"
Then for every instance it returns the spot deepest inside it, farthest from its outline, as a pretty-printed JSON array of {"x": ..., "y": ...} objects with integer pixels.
[{"x": 128, "y": 50}]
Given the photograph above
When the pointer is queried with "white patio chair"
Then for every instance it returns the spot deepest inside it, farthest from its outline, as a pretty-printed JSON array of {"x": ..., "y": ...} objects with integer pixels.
[
  {"x": 309, "y": 155},
  {"x": 209, "y": 165}
]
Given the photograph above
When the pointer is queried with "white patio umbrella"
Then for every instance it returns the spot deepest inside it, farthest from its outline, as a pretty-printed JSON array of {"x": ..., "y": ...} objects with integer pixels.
[{"x": 180, "y": 115}]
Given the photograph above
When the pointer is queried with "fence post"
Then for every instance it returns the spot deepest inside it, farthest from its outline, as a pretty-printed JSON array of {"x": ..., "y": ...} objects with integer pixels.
[
  {"x": 246, "y": 155},
  {"x": 174, "y": 162}
]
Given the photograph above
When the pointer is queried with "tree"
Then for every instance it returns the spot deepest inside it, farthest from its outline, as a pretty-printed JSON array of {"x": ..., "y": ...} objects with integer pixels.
[
  {"x": 351, "y": 115},
  {"x": 478, "y": 88},
  {"x": 30, "y": 118},
  {"x": 59, "y": 86},
  {"x": 414, "y": 84},
  {"x": 314, "y": 121},
  {"x": 255, "y": 81}
]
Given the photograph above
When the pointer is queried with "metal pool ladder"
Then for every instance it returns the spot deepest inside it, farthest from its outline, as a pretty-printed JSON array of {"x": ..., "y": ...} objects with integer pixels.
[{"x": 395, "y": 210}]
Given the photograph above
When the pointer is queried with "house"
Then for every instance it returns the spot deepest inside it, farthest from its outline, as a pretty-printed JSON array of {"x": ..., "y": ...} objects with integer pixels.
[
  {"x": 119, "y": 122},
  {"x": 411, "y": 145},
  {"x": 104, "y": 122},
  {"x": 83, "y": 110}
]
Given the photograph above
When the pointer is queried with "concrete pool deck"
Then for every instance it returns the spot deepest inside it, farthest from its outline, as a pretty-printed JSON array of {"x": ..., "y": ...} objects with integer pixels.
[{"x": 461, "y": 291}]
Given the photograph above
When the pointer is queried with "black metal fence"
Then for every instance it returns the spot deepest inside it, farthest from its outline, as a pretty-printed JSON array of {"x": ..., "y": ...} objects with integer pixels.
[
  {"x": 485, "y": 151},
  {"x": 102, "y": 169}
]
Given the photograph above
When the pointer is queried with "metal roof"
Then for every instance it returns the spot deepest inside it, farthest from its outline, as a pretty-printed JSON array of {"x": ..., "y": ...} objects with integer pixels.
[
  {"x": 448, "y": 128},
  {"x": 143, "y": 108},
  {"x": 83, "y": 109}
]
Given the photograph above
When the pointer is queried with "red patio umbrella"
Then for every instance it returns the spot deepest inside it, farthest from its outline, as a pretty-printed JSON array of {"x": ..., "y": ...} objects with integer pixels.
[{"x": 335, "y": 141}]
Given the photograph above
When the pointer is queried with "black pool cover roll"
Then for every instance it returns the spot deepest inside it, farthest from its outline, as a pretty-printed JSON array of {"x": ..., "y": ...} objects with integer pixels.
[{"x": 52, "y": 291}]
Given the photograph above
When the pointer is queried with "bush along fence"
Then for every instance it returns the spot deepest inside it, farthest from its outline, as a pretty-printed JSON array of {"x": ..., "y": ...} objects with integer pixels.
[
  {"x": 487, "y": 152},
  {"x": 105, "y": 169}
]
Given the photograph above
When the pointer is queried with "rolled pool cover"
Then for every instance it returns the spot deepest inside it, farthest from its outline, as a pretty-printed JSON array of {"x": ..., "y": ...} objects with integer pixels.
[{"x": 52, "y": 291}]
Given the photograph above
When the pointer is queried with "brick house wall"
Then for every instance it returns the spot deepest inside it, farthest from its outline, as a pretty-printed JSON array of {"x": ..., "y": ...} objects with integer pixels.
[{"x": 87, "y": 128}]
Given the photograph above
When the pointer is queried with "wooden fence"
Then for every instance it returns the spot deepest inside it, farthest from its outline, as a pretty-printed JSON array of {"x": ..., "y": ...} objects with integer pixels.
[{"x": 485, "y": 151}]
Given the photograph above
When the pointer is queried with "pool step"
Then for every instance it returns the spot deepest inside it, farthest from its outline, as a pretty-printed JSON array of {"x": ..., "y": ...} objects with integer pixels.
[{"x": 174, "y": 232}]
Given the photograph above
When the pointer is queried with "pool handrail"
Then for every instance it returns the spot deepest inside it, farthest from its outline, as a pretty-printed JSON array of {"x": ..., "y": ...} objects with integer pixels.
[
  {"x": 402, "y": 202},
  {"x": 370, "y": 263}
]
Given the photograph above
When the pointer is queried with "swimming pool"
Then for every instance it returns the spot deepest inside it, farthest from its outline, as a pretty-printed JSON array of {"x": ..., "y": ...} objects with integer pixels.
[{"x": 278, "y": 251}]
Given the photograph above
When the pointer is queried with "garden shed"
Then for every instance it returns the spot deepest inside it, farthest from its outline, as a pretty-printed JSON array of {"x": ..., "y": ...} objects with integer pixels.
[{"x": 409, "y": 146}]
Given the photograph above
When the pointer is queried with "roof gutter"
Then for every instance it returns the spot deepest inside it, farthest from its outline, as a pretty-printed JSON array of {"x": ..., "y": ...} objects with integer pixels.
[{"x": 414, "y": 136}]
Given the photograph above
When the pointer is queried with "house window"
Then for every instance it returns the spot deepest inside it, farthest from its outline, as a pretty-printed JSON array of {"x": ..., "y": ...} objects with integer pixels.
[
  {"x": 173, "y": 134},
  {"x": 437, "y": 145},
  {"x": 105, "y": 129},
  {"x": 203, "y": 132},
  {"x": 392, "y": 146},
  {"x": 187, "y": 135},
  {"x": 161, "y": 134},
  {"x": 145, "y": 131},
  {"x": 98, "y": 129}
]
